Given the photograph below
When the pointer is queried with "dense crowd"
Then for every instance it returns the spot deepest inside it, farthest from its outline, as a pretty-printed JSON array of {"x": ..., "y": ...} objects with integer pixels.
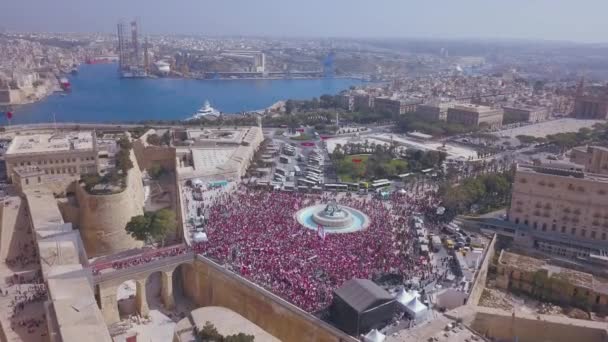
[
  {"x": 27, "y": 255},
  {"x": 146, "y": 257},
  {"x": 255, "y": 233},
  {"x": 32, "y": 293}
]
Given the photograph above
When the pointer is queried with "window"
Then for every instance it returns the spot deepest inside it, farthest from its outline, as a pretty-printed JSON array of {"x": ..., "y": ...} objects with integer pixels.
[
  {"x": 526, "y": 222},
  {"x": 27, "y": 181},
  {"x": 39, "y": 179},
  {"x": 544, "y": 227},
  {"x": 573, "y": 231},
  {"x": 603, "y": 236},
  {"x": 593, "y": 234},
  {"x": 583, "y": 232},
  {"x": 517, "y": 220},
  {"x": 553, "y": 227},
  {"x": 563, "y": 229},
  {"x": 535, "y": 225}
]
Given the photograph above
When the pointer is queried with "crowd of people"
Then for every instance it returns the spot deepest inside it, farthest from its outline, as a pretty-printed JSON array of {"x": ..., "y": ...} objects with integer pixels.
[
  {"x": 256, "y": 234},
  {"x": 27, "y": 255},
  {"x": 146, "y": 257},
  {"x": 31, "y": 293}
]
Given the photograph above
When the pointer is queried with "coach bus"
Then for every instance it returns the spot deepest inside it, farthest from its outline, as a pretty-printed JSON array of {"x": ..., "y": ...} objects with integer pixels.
[
  {"x": 314, "y": 170},
  {"x": 313, "y": 179},
  {"x": 363, "y": 185},
  {"x": 281, "y": 171},
  {"x": 289, "y": 187},
  {"x": 353, "y": 186},
  {"x": 381, "y": 183},
  {"x": 306, "y": 182},
  {"x": 337, "y": 187}
]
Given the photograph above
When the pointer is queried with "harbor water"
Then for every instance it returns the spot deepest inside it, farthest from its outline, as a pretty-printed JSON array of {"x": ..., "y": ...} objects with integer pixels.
[{"x": 99, "y": 95}]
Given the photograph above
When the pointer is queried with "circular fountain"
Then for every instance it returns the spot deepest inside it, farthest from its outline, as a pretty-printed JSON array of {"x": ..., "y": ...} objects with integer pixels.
[{"x": 333, "y": 218}]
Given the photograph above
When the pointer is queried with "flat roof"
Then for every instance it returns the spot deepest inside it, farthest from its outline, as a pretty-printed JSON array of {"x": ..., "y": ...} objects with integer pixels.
[
  {"x": 47, "y": 142},
  {"x": 564, "y": 171}
]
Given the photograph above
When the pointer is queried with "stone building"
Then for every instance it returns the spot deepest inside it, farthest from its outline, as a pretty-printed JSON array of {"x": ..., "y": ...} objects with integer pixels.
[
  {"x": 363, "y": 102},
  {"x": 475, "y": 115},
  {"x": 546, "y": 281},
  {"x": 564, "y": 211},
  {"x": 394, "y": 106},
  {"x": 68, "y": 154},
  {"x": 524, "y": 114},
  {"x": 433, "y": 111},
  {"x": 591, "y": 102},
  {"x": 346, "y": 102},
  {"x": 593, "y": 158}
]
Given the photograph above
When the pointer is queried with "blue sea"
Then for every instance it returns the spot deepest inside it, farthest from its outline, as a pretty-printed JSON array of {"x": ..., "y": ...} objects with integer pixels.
[{"x": 99, "y": 95}]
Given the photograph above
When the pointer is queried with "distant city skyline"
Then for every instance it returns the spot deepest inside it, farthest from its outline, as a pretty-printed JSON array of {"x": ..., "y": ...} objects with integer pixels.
[{"x": 563, "y": 20}]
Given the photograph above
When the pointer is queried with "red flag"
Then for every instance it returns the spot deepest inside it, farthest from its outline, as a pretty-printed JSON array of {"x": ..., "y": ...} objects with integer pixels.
[
  {"x": 301, "y": 130},
  {"x": 308, "y": 144},
  {"x": 9, "y": 115},
  {"x": 356, "y": 160},
  {"x": 325, "y": 138}
]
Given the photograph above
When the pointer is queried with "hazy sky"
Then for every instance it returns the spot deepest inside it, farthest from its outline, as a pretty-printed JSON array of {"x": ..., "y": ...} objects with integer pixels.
[{"x": 576, "y": 20}]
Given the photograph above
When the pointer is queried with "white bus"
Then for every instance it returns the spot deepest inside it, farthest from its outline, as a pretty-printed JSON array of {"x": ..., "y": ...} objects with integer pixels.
[
  {"x": 289, "y": 187},
  {"x": 381, "y": 183},
  {"x": 314, "y": 170},
  {"x": 306, "y": 182},
  {"x": 337, "y": 187},
  {"x": 314, "y": 180},
  {"x": 281, "y": 171}
]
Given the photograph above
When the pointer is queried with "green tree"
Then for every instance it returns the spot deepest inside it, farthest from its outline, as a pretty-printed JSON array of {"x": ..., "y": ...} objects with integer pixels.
[
  {"x": 154, "y": 139},
  {"x": 139, "y": 227},
  {"x": 124, "y": 143},
  {"x": 240, "y": 337},
  {"x": 209, "y": 333},
  {"x": 152, "y": 226}
]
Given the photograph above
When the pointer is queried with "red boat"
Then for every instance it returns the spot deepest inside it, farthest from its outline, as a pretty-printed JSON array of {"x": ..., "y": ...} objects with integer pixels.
[{"x": 65, "y": 84}]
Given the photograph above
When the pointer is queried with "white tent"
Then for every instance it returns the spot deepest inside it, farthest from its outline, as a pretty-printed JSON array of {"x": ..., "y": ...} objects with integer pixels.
[
  {"x": 199, "y": 237},
  {"x": 416, "y": 309},
  {"x": 402, "y": 191},
  {"x": 197, "y": 183},
  {"x": 374, "y": 336},
  {"x": 404, "y": 297}
]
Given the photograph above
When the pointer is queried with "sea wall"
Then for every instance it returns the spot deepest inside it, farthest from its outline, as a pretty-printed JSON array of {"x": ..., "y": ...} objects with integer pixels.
[
  {"x": 103, "y": 217},
  {"x": 212, "y": 285}
]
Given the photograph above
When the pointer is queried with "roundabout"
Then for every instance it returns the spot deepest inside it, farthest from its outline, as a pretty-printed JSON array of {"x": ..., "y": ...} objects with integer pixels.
[{"x": 333, "y": 218}]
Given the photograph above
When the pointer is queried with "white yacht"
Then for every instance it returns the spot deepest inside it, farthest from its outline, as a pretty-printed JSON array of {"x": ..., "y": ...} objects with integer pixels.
[{"x": 205, "y": 111}]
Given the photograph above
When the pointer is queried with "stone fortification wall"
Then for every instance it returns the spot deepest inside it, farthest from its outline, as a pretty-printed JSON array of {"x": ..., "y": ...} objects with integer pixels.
[
  {"x": 149, "y": 155},
  {"x": 505, "y": 327},
  {"x": 482, "y": 275},
  {"x": 208, "y": 284},
  {"x": 103, "y": 217}
]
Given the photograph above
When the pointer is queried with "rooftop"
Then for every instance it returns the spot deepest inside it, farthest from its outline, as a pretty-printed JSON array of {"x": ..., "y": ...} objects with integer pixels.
[
  {"x": 563, "y": 171},
  {"x": 46, "y": 142}
]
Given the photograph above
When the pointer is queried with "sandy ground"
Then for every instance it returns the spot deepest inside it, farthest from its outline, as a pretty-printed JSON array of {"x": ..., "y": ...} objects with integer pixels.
[
  {"x": 543, "y": 129},
  {"x": 454, "y": 151}
]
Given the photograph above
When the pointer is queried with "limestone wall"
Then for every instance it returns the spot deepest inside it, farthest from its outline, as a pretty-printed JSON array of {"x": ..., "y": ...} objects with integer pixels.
[
  {"x": 103, "y": 217},
  {"x": 212, "y": 285},
  {"x": 482, "y": 274},
  {"x": 507, "y": 328},
  {"x": 148, "y": 155}
]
